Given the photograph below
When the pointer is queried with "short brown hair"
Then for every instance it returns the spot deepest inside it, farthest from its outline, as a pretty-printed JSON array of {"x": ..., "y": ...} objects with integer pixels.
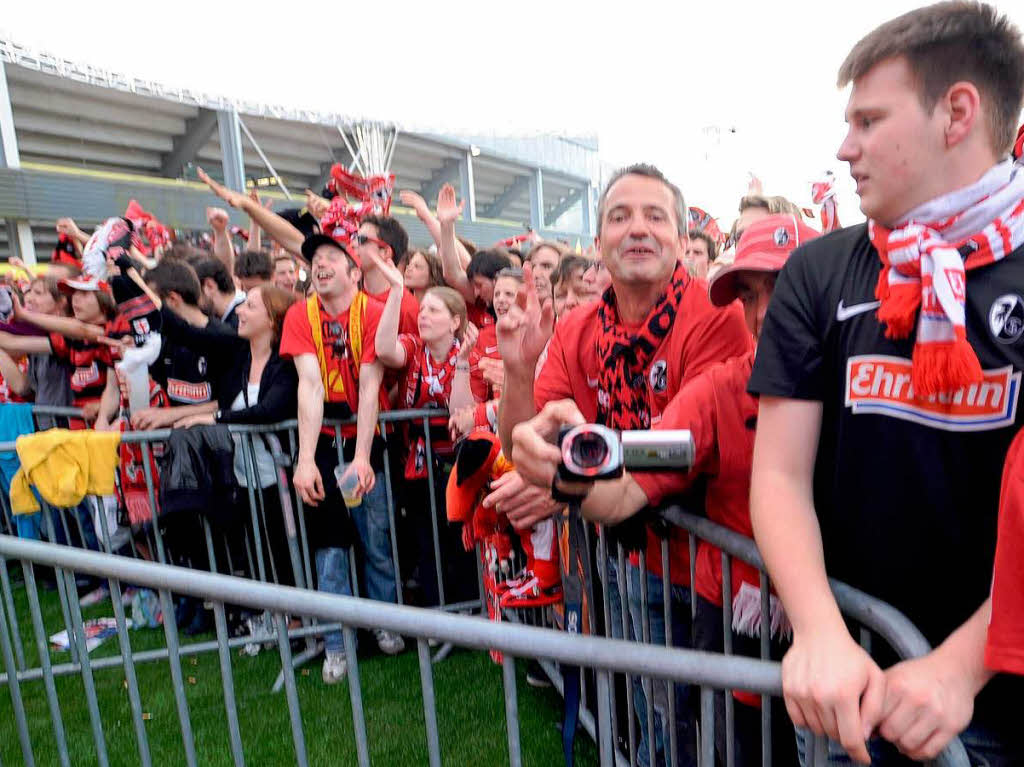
[
  {"x": 708, "y": 240},
  {"x": 947, "y": 43},
  {"x": 648, "y": 171}
]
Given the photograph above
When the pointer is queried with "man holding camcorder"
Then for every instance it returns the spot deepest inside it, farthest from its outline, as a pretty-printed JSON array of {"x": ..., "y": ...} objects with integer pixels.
[{"x": 621, "y": 360}]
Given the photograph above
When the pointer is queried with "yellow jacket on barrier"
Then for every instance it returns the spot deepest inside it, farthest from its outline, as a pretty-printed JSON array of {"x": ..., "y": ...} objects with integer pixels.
[{"x": 64, "y": 466}]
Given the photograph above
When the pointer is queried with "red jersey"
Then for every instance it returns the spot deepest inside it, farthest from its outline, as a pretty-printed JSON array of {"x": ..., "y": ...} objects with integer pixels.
[
  {"x": 480, "y": 315},
  {"x": 344, "y": 351},
  {"x": 717, "y": 410},
  {"x": 700, "y": 337},
  {"x": 408, "y": 314},
  {"x": 92, "y": 363},
  {"x": 1004, "y": 650},
  {"x": 427, "y": 383},
  {"x": 487, "y": 343}
]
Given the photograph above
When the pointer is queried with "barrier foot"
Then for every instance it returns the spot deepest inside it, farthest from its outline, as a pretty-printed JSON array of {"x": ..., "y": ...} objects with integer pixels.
[
  {"x": 298, "y": 661},
  {"x": 442, "y": 652}
]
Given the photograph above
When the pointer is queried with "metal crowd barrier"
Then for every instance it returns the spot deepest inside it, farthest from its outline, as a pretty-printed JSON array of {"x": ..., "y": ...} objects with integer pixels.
[
  {"x": 602, "y": 656},
  {"x": 646, "y": 668},
  {"x": 874, "y": 620}
]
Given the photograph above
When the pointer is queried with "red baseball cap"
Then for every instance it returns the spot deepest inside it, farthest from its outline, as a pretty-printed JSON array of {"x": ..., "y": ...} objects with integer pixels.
[
  {"x": 84, "y": 282},
  {"x": 764, "y": 247}
]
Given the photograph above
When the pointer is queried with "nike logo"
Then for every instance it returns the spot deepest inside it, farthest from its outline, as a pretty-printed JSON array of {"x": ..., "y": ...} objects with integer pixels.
[{"x": 844, "y": 312}]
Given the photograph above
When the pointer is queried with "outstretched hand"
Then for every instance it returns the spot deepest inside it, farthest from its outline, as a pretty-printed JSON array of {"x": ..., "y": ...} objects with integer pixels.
[
  {"x": 413, "y": 200},
  {"x": 526, "y": 328},
  {"x": 230, "y": 196},
  {"x": 469, "y": 339},
  {"x": 316, "y": 204},
  {"x": 387, "y": 267},
  {"x": 218, "y": 219},
  {"x": 447, "y": 208}
]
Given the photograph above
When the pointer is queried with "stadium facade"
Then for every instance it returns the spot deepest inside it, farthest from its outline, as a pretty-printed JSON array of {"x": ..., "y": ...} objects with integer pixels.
[{"x": 80, "y": 141}]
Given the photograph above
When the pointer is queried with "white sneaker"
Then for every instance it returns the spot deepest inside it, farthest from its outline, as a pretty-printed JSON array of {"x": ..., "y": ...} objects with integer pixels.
[
  {"x": 389, "y": 642},
  {"x": 334, "y": 668}
]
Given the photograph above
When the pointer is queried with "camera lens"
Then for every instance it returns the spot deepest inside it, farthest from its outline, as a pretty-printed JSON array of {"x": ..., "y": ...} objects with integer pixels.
[{"x": 589, "y": 450}]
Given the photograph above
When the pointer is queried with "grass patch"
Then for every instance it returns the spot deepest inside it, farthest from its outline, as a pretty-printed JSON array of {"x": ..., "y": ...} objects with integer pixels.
[{"x": 468, "y": 690}]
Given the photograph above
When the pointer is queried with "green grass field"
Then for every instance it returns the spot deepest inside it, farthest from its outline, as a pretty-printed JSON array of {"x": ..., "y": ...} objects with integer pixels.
[{"x": 470, "y": 708}]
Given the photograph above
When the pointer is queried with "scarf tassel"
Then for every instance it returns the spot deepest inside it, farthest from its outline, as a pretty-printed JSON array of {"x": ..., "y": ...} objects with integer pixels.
[
  {"x": 898, "y": 309},
  {"x": 945, "y": 366}
]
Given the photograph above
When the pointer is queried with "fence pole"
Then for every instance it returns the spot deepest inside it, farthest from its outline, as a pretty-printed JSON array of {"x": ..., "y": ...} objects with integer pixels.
[
  {"x": 174, "y": 661},
  {"x": 15, "y": 690},
  {"x": 228, "y": 683},
  {"x": 294, "y": 709},
  {"x": 429, "y": 705},
  {"x": 5, "y": 583},
  {"x": 131, "y": 680},
  {"x": 87, "y": 680},
  {"x": 355, "y": 693},
  {"x": 508, "y": 678}
]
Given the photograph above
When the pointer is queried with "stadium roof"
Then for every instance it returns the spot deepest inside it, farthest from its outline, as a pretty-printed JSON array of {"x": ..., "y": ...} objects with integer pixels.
[{"x": 107, "y": 128}]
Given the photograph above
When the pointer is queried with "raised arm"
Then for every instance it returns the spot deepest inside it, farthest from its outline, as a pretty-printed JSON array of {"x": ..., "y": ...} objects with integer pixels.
[
  {"x": 462, "y": 391},
  {"x": 419, "y": 206},
  {"x": 306, "y": 479},
  {"x": 14, "y": 344},
  {"x": 522, "y": 335},
  {"x": 277, "y": 228},
  {"x": 223, "y": 249},
  {"x": 389, "y": 351},
  {"x": 255, "y": 233},
  {"x": 830, "y": 683},
  {"x": 454, "y": 272},
  {"x": 13, "y": 375},
  {"x": 66, "y": 326}
]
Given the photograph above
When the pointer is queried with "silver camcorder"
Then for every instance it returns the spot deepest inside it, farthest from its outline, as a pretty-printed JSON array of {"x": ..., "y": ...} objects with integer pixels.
[{"x": 592, "y": 452}]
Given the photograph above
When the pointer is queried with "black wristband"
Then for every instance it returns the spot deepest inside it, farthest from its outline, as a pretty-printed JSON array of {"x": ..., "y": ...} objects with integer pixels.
[{"x": 561, "y": 496}]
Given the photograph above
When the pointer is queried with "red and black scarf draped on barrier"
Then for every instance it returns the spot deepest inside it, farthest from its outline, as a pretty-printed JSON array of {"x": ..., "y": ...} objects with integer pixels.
[{"x": 623, "y": 396}]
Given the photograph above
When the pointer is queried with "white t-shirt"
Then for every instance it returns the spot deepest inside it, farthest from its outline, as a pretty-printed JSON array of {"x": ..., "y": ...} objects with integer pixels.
[{"x": 265, "y": 470}]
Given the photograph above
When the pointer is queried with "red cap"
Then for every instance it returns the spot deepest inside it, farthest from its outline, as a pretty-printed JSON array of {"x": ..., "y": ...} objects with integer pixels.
[
  {"x": 83, "y": 283},
  {"x": 764, "y": 247}
]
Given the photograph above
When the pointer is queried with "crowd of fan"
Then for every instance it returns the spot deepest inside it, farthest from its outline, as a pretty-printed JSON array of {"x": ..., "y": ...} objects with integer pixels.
[{"x": 653, "y": 327}]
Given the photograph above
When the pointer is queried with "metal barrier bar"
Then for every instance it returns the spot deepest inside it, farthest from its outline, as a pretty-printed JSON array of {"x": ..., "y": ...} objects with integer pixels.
[
  {"x": 294, "y": 710},
  {"x": 87, "y": 680},
  {"x": 355, "y": 692},
  {"x": 429, "y": 704},
  {"x": 524, "y": 641},
  {"x": 228, "y": 685},
  {"x": 508, "y": 678},
  {"x": 44, "y": 661},
  {"x": 15, "y": 691},
  {"x": 174, "y": 661}
]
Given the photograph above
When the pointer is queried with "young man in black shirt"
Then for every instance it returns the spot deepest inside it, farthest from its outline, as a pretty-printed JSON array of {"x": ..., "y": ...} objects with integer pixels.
[{"x": 889, "y": 385}]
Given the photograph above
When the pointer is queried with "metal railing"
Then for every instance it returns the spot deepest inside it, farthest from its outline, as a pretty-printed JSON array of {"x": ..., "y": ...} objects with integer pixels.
[{"x": 617, "y": 730}]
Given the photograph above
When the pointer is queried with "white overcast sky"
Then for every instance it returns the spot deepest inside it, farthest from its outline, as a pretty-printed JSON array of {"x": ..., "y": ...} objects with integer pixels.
[{"x": 654, "y": 81}]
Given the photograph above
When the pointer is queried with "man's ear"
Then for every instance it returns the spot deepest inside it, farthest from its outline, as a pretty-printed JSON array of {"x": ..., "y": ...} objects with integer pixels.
[{"x": 962, "y": 111}]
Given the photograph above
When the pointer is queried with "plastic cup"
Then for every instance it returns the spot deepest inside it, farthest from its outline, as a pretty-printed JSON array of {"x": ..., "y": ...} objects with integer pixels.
[{"x": 348, "y": 484}]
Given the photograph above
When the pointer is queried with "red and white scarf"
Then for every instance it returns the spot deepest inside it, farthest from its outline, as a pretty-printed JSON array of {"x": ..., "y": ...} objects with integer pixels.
[{"x": 924, "y": 264}]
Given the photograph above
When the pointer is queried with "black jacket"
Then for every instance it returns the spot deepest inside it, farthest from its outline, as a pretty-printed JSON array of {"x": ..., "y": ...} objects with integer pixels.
[
  {"x": 197, "y": 470},
  {"x": 279, "y": 384}
]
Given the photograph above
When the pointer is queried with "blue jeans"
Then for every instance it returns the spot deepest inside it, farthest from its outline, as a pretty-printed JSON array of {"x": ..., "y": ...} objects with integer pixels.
[
  {"x": 371, "y": 521},
  {"x": 332, "y": 577},
  {"x": 682, "y": 625},
  {"x": 983, "y": 750},
  {"x": 32, "y": 527}
]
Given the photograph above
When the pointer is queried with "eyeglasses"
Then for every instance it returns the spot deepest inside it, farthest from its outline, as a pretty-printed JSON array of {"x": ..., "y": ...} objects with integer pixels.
[{"x": 362, "y": 239}]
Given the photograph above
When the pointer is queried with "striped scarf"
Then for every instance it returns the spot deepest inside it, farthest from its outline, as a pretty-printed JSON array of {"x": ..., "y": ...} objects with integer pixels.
[{"x": 924, "y": 265}]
